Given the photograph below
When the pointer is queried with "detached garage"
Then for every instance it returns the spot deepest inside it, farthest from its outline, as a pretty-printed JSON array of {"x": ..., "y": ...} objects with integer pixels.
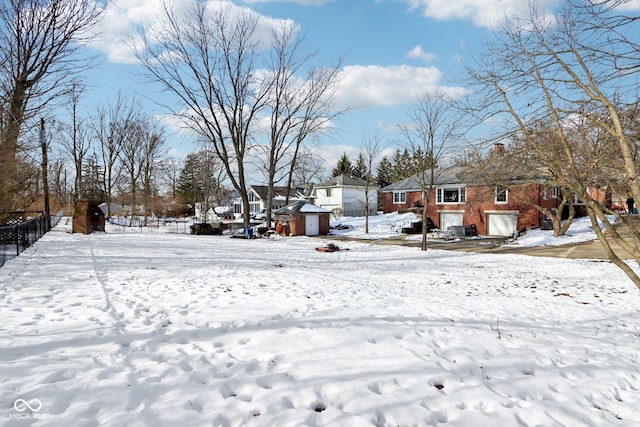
[
  {"x": 302, "y": 219},
  {"x": 502, "y": 223}
]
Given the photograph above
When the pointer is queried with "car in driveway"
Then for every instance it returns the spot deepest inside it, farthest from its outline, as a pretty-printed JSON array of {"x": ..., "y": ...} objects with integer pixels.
[{"x": 259, "y": 215}]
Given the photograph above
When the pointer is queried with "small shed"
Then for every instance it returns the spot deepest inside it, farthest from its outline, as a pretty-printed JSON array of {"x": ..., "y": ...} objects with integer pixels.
[
  {"x": 87, "y": 217},
  {"x": 302, "y": 219}
]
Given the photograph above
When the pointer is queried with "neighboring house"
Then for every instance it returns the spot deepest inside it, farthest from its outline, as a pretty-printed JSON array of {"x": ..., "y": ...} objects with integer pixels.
[
  {"x": 456, "y": 200},
  {"x": 302, "y": 219},
  {"x": 345, "y": 195},
  {"x": 258, "y": 198},
  {"x": 211, "y": 214},
  {"x": 115, "y": 209}
]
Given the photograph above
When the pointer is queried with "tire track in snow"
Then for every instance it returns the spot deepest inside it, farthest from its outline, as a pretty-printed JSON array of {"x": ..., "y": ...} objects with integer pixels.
[{"x": 101, "y": 277}]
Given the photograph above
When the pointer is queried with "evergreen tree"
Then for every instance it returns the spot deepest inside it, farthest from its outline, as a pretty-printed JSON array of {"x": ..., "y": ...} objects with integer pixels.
[
  {"x": 384, "y": 173},
  {"x": 189, "y": 189},
  {"x": 402, "y": 165},
  {"x": 92, "y": 181},
  {"x": 360, "y": 169},
  {"x": 344, "y": 166}
]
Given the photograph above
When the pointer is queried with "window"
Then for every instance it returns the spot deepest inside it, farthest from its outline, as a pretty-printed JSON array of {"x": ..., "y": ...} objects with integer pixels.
[
  {"x": 328, "y": 192},
  {"x": 502, "y": 195},
  {"x": 446, "y": 195},
  {"x": 399, "y": 197}
]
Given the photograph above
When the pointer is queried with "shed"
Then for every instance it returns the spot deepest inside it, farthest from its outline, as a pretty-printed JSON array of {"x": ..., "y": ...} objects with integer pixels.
[
  {"x": 87, "y": 217},
  {"x": 302, "y": 219}
]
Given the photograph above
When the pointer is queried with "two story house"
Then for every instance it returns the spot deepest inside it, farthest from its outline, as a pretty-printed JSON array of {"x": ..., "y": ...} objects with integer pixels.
[{"x": 345, "y": 195}]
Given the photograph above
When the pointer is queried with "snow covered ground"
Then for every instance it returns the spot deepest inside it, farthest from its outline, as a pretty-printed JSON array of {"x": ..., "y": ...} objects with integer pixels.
[{"x": 160, "y": 329}]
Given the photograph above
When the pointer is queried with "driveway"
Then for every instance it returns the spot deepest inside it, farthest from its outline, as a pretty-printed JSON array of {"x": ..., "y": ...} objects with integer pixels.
[{"x": 583, "y": 250}]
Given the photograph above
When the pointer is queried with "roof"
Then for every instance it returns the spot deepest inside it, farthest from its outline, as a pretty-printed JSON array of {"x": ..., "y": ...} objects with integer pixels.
[
  {"x": 443, "y": 176},
  {"x": 278, "y": 192},
  {"x": 343, "y": 181},
  {"x": 301, "y": 207}
]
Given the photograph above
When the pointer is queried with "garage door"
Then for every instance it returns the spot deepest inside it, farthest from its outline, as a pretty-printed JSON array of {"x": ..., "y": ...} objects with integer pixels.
[
  {"x": 312, "y": 225},
  {"x": 501, "y": 224},
  {"x": 449, "y": 219}
]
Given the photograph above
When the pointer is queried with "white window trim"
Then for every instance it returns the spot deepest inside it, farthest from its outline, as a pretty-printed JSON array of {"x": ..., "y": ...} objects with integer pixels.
[
  {"x": 506, "y": 194},
  {"x": 399, "y": 202},
  {"x": 462, "y": 195}
]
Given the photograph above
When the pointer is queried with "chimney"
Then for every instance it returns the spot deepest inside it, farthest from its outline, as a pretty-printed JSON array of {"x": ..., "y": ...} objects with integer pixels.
[{"x": 498, "y": 148}]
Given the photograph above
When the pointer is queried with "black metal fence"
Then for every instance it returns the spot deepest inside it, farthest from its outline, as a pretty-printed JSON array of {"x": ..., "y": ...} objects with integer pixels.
[{"x": 21, "y": 232}]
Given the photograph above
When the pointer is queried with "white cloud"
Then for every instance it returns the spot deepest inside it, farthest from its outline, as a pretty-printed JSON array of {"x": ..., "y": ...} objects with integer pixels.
[
  {"x": 631, "y": 5},
  {"x": 483, "y": 13},
  {"x": 378, "y": 86},
  {"x": 418, "y": 53},
  {"x": 125, "y": 20}
]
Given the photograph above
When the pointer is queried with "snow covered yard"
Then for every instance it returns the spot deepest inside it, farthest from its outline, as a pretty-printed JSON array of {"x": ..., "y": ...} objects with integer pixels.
[{"x": 163, "y": 330}]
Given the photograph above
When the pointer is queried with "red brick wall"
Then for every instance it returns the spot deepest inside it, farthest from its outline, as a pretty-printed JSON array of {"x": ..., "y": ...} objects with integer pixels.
[{"x": 478, "y": 201}]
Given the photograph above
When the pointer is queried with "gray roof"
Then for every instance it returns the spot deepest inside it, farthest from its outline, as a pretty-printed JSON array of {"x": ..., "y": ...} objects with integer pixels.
[
  {"x": 443, "y": 176},
  {"x": 301, "y": 207},
  {"x": 343, "y": 181},
  {"x": 278, "y": 191}
]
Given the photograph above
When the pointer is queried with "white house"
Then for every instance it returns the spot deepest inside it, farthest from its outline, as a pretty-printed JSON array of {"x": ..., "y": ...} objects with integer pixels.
[
  {"x": 258, "y": 198},
  {"x": 345, "y": 195}
]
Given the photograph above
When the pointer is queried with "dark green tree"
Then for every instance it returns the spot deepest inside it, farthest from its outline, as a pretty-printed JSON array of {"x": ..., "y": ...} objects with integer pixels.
[
  {"x": 360, "y": 169},
  {"x": 384, "y": 173},
  {"x": 344, "y": 166},
  {"x": 402, "y": 165},
  {"x": 189, "y": 189}
]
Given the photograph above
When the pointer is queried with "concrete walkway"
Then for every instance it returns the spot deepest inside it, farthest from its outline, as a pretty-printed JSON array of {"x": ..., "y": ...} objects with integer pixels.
[{"x": 584, "y": 250}]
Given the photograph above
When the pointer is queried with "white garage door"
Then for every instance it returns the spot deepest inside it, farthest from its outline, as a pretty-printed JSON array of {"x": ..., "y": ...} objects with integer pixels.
[
  {"x": 449, "y": 219},
  {"x": 312, "y": 225},
  {"x": 501, "y": 224}
]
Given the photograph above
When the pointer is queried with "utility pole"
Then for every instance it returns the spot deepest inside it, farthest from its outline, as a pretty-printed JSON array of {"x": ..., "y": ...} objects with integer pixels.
[{"x": 45, "y": 178}]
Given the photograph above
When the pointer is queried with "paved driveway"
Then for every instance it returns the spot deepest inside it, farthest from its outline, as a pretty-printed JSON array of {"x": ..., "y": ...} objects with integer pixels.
[{"x": 583, "y": 250}]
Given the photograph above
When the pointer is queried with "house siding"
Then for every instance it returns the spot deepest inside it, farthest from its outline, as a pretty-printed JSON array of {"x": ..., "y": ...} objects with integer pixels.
[
  {"x": 347, "y": 196},
  {"x": 479, "y": 200}
]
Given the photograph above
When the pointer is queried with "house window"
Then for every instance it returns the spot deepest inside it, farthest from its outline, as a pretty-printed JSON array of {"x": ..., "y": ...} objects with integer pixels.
[
  {"x": 502, "y": 195},
  {"x": 329, "y": 192},
  {"x": 399, "y": 197},
  {"x": 446, "y": 195},
  {"x": 555, "y": 192}
]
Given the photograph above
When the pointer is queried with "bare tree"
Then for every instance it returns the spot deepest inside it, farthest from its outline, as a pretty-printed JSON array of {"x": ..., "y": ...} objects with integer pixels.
[
  {"x": 580, "y": 64},
  {"x": 371, "y": 148},
  {"x": 300, "y": 106},
  {"x": 309, "y": 166},
  {"x": 39, "y": 52},
  {"x": 515, "y": 168},
  {"x": 111, "y": 129},
  {"x": 207, "y": 58},
  {"x": 132, "y": 153},
  {"x": 435, "y": 131},
  {"x": 169, "y": 171},
  {"x": 153, "y": 145},
  {"x": 74, "y": 136}
]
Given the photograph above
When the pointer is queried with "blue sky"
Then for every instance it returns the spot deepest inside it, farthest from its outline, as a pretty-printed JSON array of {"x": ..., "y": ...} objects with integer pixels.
[{"x": 392, "y": 50}]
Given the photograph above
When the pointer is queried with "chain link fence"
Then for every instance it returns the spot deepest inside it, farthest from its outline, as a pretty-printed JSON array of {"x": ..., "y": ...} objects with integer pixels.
[{"x": 21, "y": 230}]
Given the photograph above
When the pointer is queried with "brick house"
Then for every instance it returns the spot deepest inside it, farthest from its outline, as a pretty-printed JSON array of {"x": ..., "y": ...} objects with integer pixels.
[{"x": 457, "y": 200}]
